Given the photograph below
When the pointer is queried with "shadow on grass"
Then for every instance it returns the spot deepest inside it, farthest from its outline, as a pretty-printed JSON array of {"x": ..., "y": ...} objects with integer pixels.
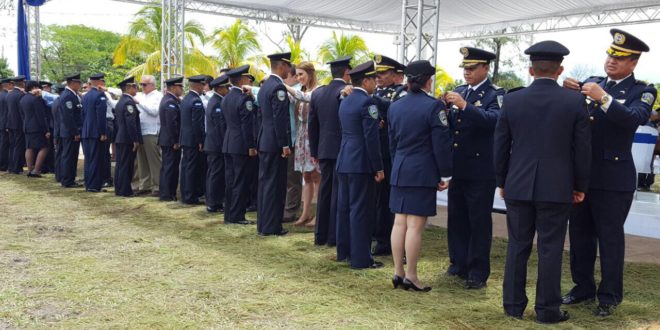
[{"x": 298, "y": 270}]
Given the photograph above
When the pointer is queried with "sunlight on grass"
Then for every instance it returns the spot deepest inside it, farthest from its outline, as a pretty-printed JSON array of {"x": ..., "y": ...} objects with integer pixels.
[{"x": 78, "y": 260}]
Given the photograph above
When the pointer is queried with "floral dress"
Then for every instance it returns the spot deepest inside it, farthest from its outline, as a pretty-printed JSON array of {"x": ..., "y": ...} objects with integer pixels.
[{"x": 303, "y": 158}]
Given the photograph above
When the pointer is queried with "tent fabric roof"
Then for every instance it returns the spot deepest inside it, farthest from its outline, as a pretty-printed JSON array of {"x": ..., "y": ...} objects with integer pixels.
[{"x": 455, "y": 15}]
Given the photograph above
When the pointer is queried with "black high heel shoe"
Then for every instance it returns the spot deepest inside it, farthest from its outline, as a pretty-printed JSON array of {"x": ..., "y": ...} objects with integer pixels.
[
  {"x": 396, "y": 281},
  {"x": 407, "y": 284}
]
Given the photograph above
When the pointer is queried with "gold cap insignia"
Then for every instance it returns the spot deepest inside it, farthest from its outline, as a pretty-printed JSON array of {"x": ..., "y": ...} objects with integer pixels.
[
  {"x": 378, "y": 59},
  {"x": 465, "y": 52},
  {"x": 619, "y": 38}
]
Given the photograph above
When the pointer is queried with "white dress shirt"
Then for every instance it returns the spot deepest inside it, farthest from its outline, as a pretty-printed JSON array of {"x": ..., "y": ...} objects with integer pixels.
[{"x": 148, "y": 106}]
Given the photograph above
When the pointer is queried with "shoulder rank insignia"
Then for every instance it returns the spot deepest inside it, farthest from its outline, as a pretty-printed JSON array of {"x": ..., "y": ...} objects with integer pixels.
[
  {"x": 281, "y": 95},
  {"x": 249, "y": 106},
  {"x": 443, "y": 118},
  {"x": 500, "y": 100},
  {"x": 648, "y": 98},
  {"x": 373, "y": 111}
]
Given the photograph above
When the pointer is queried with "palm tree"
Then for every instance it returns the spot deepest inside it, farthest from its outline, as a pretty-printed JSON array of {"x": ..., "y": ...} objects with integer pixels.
[
  {"x": 443, "y": 81},
  {"x": 236, "y": 45},
  {"x": 344, "y": 45},
  {"x": 144, "y": 41}
]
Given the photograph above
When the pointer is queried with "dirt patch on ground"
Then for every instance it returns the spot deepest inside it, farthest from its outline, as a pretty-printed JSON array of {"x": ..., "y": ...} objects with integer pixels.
[{"x": 48, "y": 312}]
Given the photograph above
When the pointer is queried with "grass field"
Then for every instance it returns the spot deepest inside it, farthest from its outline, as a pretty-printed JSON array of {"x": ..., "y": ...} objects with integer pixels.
[{"x": 72, "y": 259}]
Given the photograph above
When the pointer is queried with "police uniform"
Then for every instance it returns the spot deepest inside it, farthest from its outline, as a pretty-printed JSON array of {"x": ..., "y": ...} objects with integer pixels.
[
  {"x": 539, "y": 169},
  {"x": 384, "y": 95},
  {"x": 472, "y": 188},
  {"x": 324, "y": 133},
  {"x": 4, "y": 134},
  {"x": 215, "y": 133},
  {"x": 94, "y": 105},
  {"x": 70, "y": 114},
  {"x": 127, "y": 133},
  {"x": 49, "y": 163},
  {"x": 192, "y": 136},
  {"x": 359, "y": 159},
  {"x": 35, "y": 124},
  {"x": 420, "y": 143},
  {"x": 15, "y": 127},
  {"x": 598, "y": 222},
  {"x": 169, "y": 113},
  {"x": 57, "y": 140},
  {"x": 274, "y": 137},
  {"x": 238, "y": 110}
]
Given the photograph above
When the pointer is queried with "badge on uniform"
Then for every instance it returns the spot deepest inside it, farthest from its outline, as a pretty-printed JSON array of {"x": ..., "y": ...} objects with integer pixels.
[
  {"x": 500, "y": 100},
  {"x": 443, "y": 118},
  {"x": 218, "y": 110},
  {"x": 172, "y": 106},
  {"x": 478, "y": 103},
  {"x": 130, "y": 109},
  {"x": 648, "y": 98},
  {"x": 69, "y": 104},
  {"x": 198, "y": 104},
  {"x": 373, "y": 111},
  {"x": 249, "y": 106},
  {"x": 102, "y": 98},
  {"x": 402, "y": 94},
  {"x": 281, "y": 95}
]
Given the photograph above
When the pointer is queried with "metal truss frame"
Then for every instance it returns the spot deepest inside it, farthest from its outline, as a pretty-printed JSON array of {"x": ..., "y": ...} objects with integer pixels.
[
  {"x": 34, "y": 40},
  {"x": 172, "y": 39},
  {"x": 596, "y": 18}
]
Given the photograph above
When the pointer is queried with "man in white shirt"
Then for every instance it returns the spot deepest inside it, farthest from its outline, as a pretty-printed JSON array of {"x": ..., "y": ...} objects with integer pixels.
[{"x": 148, "y": 156}]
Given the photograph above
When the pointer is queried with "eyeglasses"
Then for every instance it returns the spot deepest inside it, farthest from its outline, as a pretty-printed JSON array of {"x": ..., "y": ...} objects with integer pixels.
[{"x": 145, "y": 84}]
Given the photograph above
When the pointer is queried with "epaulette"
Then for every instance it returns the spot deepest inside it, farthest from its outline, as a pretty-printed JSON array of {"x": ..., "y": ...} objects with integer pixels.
[{"x": 495, "y": 87}]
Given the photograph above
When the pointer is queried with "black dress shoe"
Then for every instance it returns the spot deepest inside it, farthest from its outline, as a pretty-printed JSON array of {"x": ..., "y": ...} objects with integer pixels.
[
  {"x": 73, "y": 185},
  {"x": 451, "y": 273},
  {"x": 570, "y": 299},
  {"x": 238, "y": 222},
  {"x": 95, "y": 190},
  {"x": 396, "y": 281},
  {"x": 282, "y": 233},
  {"x": 604, "y": 310},
  {"x": 107, "y": 184},
  {"x": 33, "y": 175},
  {"x": 164, "y": 199},
  {"x": 251, "y": 209},
  {"x": 382, "y": 250},
  {"x": 474, "y": 284},
  {"x": 563, "y": 316},
  {"x": 215, "y": 210},
  {"x": 407, "y": 285},
  {"x": 515, "y": 316}
]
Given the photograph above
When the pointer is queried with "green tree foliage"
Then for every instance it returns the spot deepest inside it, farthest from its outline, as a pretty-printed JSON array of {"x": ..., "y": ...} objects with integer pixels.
[
  {"x": 5, "y": 71},
  {"x": 344, "y": 45},
  {"x": 509, "y": 80},
  {"x": 235, "y": 44},
  {"x": 78, "y": 48},
  {"x": 498, "y": 46},
  {"x": 144, "y": 42}
]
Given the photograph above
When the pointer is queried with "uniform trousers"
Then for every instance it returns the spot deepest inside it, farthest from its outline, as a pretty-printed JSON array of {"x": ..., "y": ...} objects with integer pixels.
[
  {"x": 293, "y": 188},
  {"x": 169, "y": 173},
  {"x": 215, "y": 180},
  {"x": 326, "y": 211},
  {"x": 236, "y": 183},
  {"x": 355, "y": 218},
  {"x": 597, "y": 225},
  {"x": 4, "y": 150},
  {"x": 549, "y": 221},
  {"x": 470, "y": 227},
  {"x": 384, "y": 216},
  {"x": 125, "y": 165},
  {"x": 49, "y": 163},
  {"x": 69, "y": 161},
  {"x": 192, "y": 175},
  {"x": 58, "y": 158},
  {"x": 94, "y": 163},
  {"x": 271, "y": 193},
  {"x": 16, "y": 151},
  {"x": 106, "y": 146}
]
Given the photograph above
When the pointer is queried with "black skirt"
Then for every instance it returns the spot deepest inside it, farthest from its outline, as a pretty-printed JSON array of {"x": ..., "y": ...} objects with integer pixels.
[
  {"x": 35, "y": 141},
  {"x": 419, "y": 201}
]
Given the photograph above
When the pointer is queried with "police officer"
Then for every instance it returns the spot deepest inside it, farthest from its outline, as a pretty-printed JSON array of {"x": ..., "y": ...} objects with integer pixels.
[
  {"x": 94, "y": 132},
  {"x": 7, "y": 85},
  {"x": 15, "y": 126},
  {"x": 127, "y": 138},
  {"x": 274, "y": 147},
  {"x": 238, "y": 145},
  {"x": 70, "y": 114},
  {"x": 192, "y": 142},
  {"x": 386, "y": 92},
  {"x": 169, "y": 113},
  {"x": 618, "y": 104},
  {"x": 540, "y": 172},
  {"x": 421, "y": 142},
  {"x": 324, "y": 140},
  {"x": 359, "y": 168},
  {"x": 49, "y": 96},
  {"x": 35, "y": 127},
  {"x": 215, "y": 133},
  {"x": 57, "y": 141},
  {"x": 474, "y": 112}
]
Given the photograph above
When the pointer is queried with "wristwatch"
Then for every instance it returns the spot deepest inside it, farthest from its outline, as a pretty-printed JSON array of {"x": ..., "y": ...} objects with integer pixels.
[{"x": 606, "y": 98}]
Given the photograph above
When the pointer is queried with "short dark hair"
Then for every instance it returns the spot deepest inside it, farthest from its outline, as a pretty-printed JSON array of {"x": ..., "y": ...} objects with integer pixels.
[
  {"x": 417, "y": 83},
  {"x": 235, "y": 80},
  {"x": 31, "y": 84},
  {"x": 357, "y": 82},
  {"x": 338, "y": 71},
  {"x": 275, "y": 63},
  {"x": 293, "y": 70},
  {"x": 545, "y": 68}
]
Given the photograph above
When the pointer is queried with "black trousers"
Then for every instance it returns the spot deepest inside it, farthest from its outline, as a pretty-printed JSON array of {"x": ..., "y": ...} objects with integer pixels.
[
  {"x": 16, "y": 151},
  {"x": 384, "y": 216},
  {"x": 237, "y": 189},
  {"x": 470, "y": 227},
  {"x": 253, "y": 181},
  {"x": 69, "y": 161},
  {"x": 524, "y": 219},
  {"x": 326, "y": 210},
  {"x": 169, "y": 173},
  {"x": 192, "y": 175},
  {"x": 125, "y": 166},
  {"x": 49, "y": 163},
  {"x": 4, "y": 149},
  {"x": 597, "y": 225},
  {"x": 106, "y": 171},
  {"x": 215, "y": 180},
  {"x": 272, "y": 193},
  {"x": 355, "y": 218},
  {"x": 94, "y": 163},
  {"x": 58, "y": 159}
]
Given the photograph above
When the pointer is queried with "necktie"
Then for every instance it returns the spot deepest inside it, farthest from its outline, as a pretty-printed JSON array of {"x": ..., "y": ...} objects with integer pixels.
[
  {"x": 610, "y": 84},
  {"x": 469, "y": 91}
]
